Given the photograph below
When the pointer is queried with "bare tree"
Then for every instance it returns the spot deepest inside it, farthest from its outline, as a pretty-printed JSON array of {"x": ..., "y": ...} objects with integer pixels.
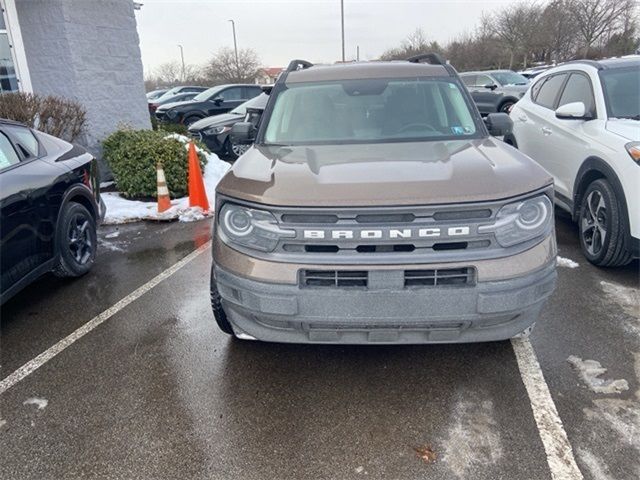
[
  {"x": 596, "y": 18},
  {"x": 558, "y": 32},
  {"x": 222, "y": 68},
  {"x": 414, "y": 44}
]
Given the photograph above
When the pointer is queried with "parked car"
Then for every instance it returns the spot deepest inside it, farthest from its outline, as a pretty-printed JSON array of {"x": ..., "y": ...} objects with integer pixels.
[
  {"x": 581, "y": 122},
  {"x": 214, "y": 101},
  {"x": 374, "y": 207},
  {"x": 180, "y": 97},
  {"x": 184, "y": 89},
  {"x": 495, "y": 90},
  {"x": 533, "y": 72},
  {"x": 49, "y": 207},
  {"x": 214, "y": 131},
  {"x": 154, "y": 94}
]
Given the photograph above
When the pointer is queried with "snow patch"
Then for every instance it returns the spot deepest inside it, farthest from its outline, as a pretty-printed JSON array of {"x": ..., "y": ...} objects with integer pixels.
[
  {"x": 2, "y": 422},
  {"x": 567, "y": 262},
  {"x": 359, "y": 469},
  {"x": 41, "y": 403},
  {"x": 590, "y": 372},
  {"x": 121, "y": 210},
  {"x": 628, "y": 298},
  {"x": 474, "y": 439},
  {"x": 115, "y": 234},
  {"x": 596, "y": 466}
]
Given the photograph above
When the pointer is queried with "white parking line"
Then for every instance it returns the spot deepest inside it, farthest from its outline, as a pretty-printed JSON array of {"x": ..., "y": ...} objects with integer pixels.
[
  {"x": 32, "y": 365},
  {"x": 554, "y": 438}
]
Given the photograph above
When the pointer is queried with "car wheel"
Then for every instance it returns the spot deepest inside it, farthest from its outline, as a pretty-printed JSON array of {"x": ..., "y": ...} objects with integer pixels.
[
  {"x": 603, "y": 226},
  {"x": 189, "y": 120},
  {"x": 218, "y": 311},
  {"x": 506, "y": 107},
  {"x": 235, "y": 150},
  {"x": 77, "y": 241}
]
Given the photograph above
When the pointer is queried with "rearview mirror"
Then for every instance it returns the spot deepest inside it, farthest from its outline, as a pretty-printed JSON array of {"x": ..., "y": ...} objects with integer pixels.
[
  {"x": 498, "y": 124},
  {"x": 572, "y": 111},
  {"x": 243, "y": 133},
  {"x": 218, "y": 100}
]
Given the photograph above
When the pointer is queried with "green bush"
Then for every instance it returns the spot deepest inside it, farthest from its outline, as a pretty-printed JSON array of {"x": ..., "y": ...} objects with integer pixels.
[
  {"x": 133, "y": 155},
  {"x": 178, "y": 128}
]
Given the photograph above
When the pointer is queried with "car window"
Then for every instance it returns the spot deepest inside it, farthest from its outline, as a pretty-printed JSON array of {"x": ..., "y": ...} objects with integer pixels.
[
  {"x": 256, "y": 102},
  {"x": 8, "y": 155},
  {"x": 231, "y": 94},
  {"x": 482, "y": 80},
  {"x": 25, "y": 140},
  {"x": 621, "y": 88},
  {"x": 536, "y": 87},
  {"x": 251, "y": 92},
  {"x": 578, "y": 89},
  {"x": 548, "y": 92},
  {"x": 468, "y": 80},
  {"x": 509, "y": 78},
  {"x": 371, "y": 110}
]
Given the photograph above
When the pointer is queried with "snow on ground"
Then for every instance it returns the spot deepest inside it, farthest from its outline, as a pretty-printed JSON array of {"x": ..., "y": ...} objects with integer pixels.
[
  {"x": 590, "y": 371},
  {"x": 41, "y": 403},
  {"x": 628, "y": 298},
  {"x": 567, "y": 262},
  {"x": 121, "y": 210}
]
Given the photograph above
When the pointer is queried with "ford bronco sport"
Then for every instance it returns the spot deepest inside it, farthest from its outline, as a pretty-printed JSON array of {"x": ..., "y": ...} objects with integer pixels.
[{"x": 374, "y": 207}]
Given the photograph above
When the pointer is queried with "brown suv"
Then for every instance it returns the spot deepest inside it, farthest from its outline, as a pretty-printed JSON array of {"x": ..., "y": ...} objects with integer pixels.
[{"x": 374, "y": 207}]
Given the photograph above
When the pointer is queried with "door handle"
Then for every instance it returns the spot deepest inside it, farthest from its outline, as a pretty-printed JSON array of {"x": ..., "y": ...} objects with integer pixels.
[
  {"x": 546, "y": 131},
  {"x": 522, "y": 118}
]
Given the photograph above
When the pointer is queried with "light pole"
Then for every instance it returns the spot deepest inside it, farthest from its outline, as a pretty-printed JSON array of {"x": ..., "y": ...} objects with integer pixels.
[
  {"x": 235, "y": 46},
  {"x": 182, "y": 58},
  {"x": 342, "y": 24}
]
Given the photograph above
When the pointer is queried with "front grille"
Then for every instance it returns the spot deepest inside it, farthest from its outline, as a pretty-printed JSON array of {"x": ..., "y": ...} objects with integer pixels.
[
  {"x": 439, "y": 277},
  {"x": 334, "y": 278}
]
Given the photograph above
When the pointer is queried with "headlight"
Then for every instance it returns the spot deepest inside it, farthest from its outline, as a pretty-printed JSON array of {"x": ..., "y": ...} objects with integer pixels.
[
  {"x": 634, "y": 150},
  {"x": 216, "y": 130},
  {"x": 521, "y": 221},
  {"x": 251, "y": 228}
]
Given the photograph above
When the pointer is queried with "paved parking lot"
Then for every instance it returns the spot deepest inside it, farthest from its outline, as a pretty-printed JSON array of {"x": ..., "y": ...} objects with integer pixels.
[{"x": 152, "y": 389}]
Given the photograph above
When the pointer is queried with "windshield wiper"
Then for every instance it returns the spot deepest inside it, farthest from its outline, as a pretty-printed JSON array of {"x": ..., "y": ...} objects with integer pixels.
[{"x": 627, "y": 117}]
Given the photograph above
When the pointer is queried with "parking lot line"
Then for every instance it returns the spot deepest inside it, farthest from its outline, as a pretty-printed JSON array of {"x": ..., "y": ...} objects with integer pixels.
[
  {"x": 554, "y": 438},
  {"x": 32, "y": 365}
]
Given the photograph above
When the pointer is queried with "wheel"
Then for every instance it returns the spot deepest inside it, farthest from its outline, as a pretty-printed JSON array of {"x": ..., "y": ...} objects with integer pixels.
[
  {"x": 603, "y": 226},
  {"x": 218, "y": 311},
  {"x": 77, "y": 241},
  {"x": 189, "y": 120},
  {"x": 234, "y": 150},
  {"x": 506, "y": 106}
]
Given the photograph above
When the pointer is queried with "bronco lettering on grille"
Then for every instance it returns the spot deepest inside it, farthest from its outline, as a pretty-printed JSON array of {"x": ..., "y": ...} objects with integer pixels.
[{"x": 391, "y": 233}]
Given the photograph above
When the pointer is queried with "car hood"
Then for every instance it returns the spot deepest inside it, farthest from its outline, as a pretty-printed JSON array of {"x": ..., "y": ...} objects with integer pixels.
[
  {"x": 626, "y": 128},
  {"x": 383, "y": 174},
  {"x": 215, "y": 121}
]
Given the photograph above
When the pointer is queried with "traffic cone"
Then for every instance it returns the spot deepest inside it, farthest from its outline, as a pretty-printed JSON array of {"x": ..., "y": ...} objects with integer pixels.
[
  {"x": 164, "y": 202},
  {"x": 197, "y": 192}
]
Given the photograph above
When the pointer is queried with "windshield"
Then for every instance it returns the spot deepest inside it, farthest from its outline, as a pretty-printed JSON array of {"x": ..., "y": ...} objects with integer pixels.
[
  {"x": 365, "y": 111},
  {"x": 207, "y": 94},
  {"x": 509, "y": 78},
  {"x": 256, "y": 102},
  {"x": 621, "y": 88}
]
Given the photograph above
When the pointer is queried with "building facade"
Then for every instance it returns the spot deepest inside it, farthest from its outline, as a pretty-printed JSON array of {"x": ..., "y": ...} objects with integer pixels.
[{"x": 86, "y": 50}]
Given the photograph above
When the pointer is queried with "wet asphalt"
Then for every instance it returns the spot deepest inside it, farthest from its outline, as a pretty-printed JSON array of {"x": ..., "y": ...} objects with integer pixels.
[{"x": 158, "y": 392}]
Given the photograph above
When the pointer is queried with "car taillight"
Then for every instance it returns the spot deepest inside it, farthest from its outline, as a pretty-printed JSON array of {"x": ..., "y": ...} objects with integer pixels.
[{"x": 153, "y": 106}]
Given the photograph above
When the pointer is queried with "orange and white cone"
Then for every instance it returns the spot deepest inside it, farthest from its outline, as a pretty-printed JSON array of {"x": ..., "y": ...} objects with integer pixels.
[{"x": 164, "y": 202}]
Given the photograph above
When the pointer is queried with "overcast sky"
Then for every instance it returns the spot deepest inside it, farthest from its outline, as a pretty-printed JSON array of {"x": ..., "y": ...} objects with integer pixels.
[{"x": 310, "y": 29}]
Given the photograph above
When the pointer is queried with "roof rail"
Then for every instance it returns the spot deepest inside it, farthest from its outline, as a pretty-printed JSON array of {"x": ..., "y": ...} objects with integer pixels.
[
  {"x": 296, "y": 64},
  {"x": 433, "y": 58},
  {"x": 593, "y": 63}
]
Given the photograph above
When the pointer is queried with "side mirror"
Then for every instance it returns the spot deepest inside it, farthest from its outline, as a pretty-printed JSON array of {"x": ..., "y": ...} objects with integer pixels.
[
  {"x": 498, "y": 124},
  {"x": 243, "y": 133},
  {"x": 218, "y": 101},
  {"x": 491, "y": 86},
  {"x": 572, "y": 111}
]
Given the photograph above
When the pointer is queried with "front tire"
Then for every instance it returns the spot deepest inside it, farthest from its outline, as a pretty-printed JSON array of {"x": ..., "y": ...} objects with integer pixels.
[
  {"x": 506, "y": 106},
  {"x": 603, "y": 226},
  {"x": 77, "y": 241},
  {"x": 218, "y": 311}
]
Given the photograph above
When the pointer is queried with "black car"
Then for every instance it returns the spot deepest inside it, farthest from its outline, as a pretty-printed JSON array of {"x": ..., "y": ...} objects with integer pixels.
[
  {"x": 214, "y": 131},
  {"x": 214, "y": 101},
  {"x": 180, "y": 97},
  {"x": 50, "y": 207},
  {"x": 495, "y": 90}
]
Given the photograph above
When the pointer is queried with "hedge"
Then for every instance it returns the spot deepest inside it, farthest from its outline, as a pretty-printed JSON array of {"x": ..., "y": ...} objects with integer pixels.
[{"x": 133, "y": 155}]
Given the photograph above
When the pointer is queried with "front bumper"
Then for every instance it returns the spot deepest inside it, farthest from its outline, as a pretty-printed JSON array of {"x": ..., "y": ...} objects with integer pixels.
[{"x": 387, "y": 314}]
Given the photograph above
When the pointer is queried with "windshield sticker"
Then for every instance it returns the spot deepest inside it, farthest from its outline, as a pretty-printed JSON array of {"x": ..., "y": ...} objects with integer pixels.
[{"x": 458, "y": 130}]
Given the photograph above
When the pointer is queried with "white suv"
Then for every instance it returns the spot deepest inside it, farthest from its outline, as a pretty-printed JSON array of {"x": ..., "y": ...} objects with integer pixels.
[{"x": 581, "y": 121}]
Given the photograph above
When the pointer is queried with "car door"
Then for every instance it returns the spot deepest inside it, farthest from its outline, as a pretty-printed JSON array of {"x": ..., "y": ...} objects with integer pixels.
[
  {"x": 226, "y": 100},
  {"x": 567, "y": 141},
  {"x": 536, "y": 118},
  {"x": 18, "y": 219},
  {"x": 486, "y": 99}
]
